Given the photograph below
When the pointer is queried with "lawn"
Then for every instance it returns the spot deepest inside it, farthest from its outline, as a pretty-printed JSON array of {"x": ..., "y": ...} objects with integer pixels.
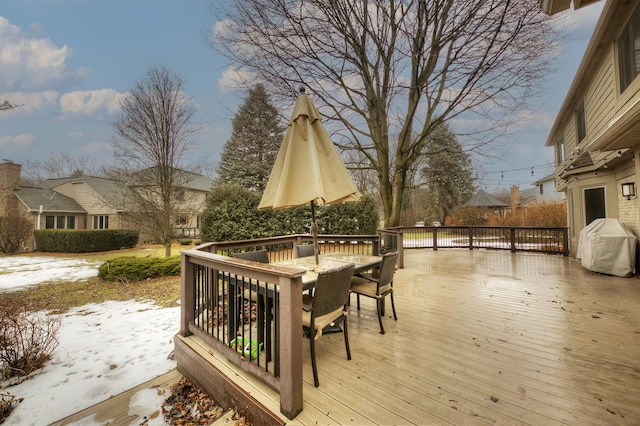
[{"x": 60, "y": 296}]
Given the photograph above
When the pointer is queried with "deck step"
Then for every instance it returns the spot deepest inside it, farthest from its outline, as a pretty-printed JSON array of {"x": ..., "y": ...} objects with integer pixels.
[{"x": 226, "y": 419}]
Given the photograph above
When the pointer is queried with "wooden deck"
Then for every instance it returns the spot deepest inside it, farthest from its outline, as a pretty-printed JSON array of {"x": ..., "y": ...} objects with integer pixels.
[{"x": 482, "y": 337}]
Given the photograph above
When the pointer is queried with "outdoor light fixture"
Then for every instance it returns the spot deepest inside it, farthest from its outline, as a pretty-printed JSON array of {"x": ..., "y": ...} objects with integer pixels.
[{"x": 629, "y": 190}]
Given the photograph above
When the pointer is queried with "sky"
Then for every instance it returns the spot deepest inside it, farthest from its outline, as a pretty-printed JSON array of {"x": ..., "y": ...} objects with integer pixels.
[
  {"x": 104, "y": 349},
  {"x": 69, "y": 62}
]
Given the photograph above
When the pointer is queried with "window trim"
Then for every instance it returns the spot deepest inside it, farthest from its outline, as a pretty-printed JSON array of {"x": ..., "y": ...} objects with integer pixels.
[
  {"x": 560, "y": 151},
  {"x": 627, "y": 54},
  {"x": 581, "y": 123}
]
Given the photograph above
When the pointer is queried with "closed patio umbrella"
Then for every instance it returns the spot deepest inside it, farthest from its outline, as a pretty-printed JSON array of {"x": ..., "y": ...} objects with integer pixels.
[{"x": 308, "y": 168}]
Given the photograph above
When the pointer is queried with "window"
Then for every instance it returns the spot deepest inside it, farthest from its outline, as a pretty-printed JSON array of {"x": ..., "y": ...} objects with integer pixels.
[
  {"x": 541, "y": 189},
  {"x": 59, "y": 222},
  {"x": 101, "y": 222},
  {"x": 560, "y": 151},
  {"x": 629, "y": 51},
  {"x": 581, "y": 123},
  {"x": 50, "y": 222},
  {"x": 594, "y": 204},
  {"x": 181, "y": 220}
]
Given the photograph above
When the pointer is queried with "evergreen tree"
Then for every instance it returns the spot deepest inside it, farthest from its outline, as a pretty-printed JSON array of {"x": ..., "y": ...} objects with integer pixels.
[
  {"x": 448, "y": 174},
  {"x": 248, "y": 156}
]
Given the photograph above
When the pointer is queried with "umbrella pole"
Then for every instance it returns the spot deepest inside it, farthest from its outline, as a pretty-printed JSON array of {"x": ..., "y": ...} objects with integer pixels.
[{"x": 314, "y": 231}]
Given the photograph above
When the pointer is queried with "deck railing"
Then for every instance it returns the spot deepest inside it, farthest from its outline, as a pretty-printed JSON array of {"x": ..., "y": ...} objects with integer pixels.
[
  {"x": 252, "y": 312},
  {"x": 514, "y": 239}
]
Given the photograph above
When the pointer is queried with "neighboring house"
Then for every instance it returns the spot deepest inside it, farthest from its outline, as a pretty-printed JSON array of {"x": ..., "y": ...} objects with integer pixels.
[
  {"x": 545, "y": 190},
  {"x": 485, "y": 200},
  {"x": 554, "y": 6},
  {"x": 88, "y": 202},
  {"x": 596, "y": 133}
]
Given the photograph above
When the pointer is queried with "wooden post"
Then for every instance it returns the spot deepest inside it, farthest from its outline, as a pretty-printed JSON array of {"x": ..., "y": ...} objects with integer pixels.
[
  {"x": 435, "y": 238},
  {"x": 187, "y": 300},
  {"x": 290, "y": 346}
]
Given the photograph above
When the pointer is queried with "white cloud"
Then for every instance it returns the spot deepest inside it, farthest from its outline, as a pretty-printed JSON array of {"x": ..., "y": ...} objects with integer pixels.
[
  {"x": 22, "y": 140},
  {"x": 28, "y": 103},
  {"x": 31, "y": 63},
  {"x": 91, "y": 101},
  {"x": 234, "y": 78},
  {"x": 96, "y": 147}
]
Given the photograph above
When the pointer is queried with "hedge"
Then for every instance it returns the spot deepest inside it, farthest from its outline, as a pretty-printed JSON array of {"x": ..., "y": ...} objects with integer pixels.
[
  {"x": 84, "y": 241},
  {"x": 129, "y": 268}
]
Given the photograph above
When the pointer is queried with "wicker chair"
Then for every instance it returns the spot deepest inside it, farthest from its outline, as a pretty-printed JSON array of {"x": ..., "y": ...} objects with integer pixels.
[
  {"x": 305, "y": 250},
  {"x": 261, "y": 256},
  {"x": 328, "y": 305},
  {"x": 264, "y": 298},
  {"x": 378, "y": 287}
]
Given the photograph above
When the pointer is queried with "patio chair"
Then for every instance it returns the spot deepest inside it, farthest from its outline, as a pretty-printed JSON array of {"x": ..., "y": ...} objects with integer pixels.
[
  {"x": 328, "y": 305},
  {"x": 305, "y": 250},
  {"x": 261, "y": 256},
  {"x": 264, "y": 298},
  {"x": 377, "y": 285}
]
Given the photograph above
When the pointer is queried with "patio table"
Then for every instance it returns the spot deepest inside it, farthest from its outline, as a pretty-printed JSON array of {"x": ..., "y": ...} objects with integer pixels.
[
  {"x": 327, "y": 261},
  {"x": 362, "y": 262}
]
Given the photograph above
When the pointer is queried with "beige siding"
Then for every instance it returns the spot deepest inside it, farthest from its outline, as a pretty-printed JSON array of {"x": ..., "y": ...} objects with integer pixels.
[
  {"x": 600, "y": 98},
  {"x": 87, "y": 198}
]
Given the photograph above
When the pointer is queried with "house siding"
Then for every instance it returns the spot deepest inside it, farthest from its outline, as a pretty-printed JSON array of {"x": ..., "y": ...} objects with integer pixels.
[
  {"x": 87, "y": 198},
  {"x": 601, "y": 97}
]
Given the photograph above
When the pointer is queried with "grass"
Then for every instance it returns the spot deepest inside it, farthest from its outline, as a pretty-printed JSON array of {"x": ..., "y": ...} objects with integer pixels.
[{"x": 61, "y": 296}]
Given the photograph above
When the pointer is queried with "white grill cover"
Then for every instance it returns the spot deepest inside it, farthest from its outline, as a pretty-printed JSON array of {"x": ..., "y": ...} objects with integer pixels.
[{"x": 609, "y": 247}]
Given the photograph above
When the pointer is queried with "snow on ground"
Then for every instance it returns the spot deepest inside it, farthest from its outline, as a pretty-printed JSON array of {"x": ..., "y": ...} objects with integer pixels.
[
  {"x": 17, "y": 272},
  {"x": 104, "y": 349}
]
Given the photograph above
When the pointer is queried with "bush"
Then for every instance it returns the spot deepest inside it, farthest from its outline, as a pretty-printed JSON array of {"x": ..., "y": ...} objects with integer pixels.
[
  {"x": 7, "y": 403},
  {"x": 27, "y": 340},
  {"x": 129, "y": 268},
  {"x": 232, "y": 214},
  {"x": 14, "y": 231},
  {"x": 84, "y": 241},
  {"x": 184, "y": 241}
]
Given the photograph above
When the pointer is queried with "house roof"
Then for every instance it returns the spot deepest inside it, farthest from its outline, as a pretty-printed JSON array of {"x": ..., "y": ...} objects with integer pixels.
[
  {"x": 183, "y": 178},
  {"x": 548, "y": 178},
  {"x": 484, "y": 199},
  {"x": 50, "y": 200},
  {"x": 199, "y": 183},
  {"x": 528, "y": 196},
  {"x": 108, "y": 189}
]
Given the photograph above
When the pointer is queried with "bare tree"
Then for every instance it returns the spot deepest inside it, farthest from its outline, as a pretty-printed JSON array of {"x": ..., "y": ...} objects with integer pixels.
[
  {"x": 152, "y": 136},
  {"x": 393, "y": 67},
  {"x": 60, "y": 165},
  {"x": 6, "y": 105}
]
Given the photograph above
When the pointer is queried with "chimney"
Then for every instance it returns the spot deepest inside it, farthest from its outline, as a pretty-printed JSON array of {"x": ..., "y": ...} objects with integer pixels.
[
  {"x": 515, "y": 197},
  {"x": 9, "y": 182}
]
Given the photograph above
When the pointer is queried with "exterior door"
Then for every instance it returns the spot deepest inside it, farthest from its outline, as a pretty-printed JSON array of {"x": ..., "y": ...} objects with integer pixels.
[{"x": 594, "y": 204}]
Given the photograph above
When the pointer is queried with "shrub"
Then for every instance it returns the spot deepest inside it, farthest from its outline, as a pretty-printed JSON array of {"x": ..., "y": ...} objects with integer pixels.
[
  {"x": 7, "y": 403},
  {"x": 232, "y": 214},
  {"x": 27, "y": 340},
  {"x": 84, "y": 241},
  {"x": 184, "y": 241},
  {"x": 14, "y": 231},
  {"x": 129, "y": 268}
]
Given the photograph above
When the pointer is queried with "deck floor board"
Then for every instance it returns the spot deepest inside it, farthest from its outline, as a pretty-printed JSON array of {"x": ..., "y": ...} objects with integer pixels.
[{"x": 485, "y": 337}]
